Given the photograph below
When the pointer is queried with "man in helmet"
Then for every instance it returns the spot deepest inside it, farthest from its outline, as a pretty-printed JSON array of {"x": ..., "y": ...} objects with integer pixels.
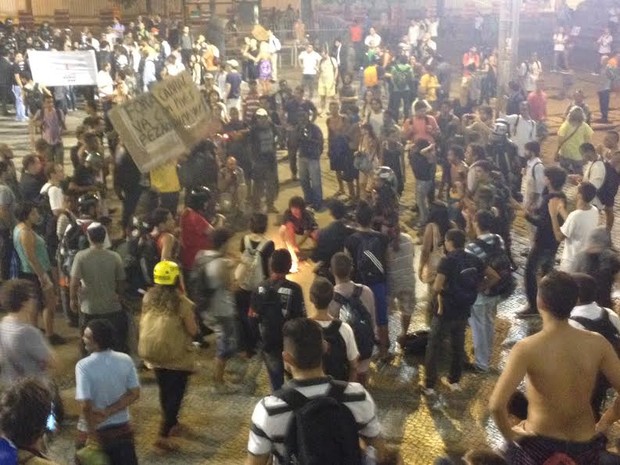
[
  {"x": 97, "y": 277},
  {"x": 195, "y": 227},
  {"x": 504, "y": 155}
]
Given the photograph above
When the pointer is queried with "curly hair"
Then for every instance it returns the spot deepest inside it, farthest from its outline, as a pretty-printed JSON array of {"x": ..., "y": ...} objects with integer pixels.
[
  {"x": 162, "y": 299},
  {"x": 24, "y": 409}
]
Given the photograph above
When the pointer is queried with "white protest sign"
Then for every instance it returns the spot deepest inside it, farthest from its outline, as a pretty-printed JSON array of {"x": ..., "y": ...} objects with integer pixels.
[{"x": 54, "y": 68}]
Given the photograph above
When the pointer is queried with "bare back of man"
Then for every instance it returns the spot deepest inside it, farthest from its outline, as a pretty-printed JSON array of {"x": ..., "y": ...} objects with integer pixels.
[{"x": 560, "y": 365}]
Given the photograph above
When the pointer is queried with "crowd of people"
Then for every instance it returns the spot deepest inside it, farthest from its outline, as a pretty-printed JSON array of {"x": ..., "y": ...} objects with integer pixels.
[{"x": 386, "y": 109}]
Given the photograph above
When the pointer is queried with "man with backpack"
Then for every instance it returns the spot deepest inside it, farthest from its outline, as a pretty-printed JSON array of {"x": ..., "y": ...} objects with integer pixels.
[
  {"x": 401, "y": 78},
  {"x": 355, "y": 305},
  {"x": 97, "y": 277},
  {"x": 368, "y": 250},
  {"x": 588, "y": 315},
  {"x": 489, "y": 248},
  {"x": 274, "y": 302},
  {"x": 341, "y": 355},
  {"x": 459, "y": 276},
  {"x": 313, "y": 419}
]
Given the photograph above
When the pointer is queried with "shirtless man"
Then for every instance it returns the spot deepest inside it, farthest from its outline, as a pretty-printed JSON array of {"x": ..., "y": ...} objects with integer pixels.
[{"x": 559, "y": 384}]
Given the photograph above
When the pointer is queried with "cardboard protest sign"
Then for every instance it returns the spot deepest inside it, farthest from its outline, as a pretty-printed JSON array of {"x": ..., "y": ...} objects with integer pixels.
[
  {"x": 147, "y": 131},
  {"x": 165, "y": 123},
  {"x": 55, "y": 68}
]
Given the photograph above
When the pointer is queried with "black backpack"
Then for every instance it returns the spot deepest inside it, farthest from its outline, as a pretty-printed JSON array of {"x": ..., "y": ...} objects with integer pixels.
[
  {"x": 355, "y": 314},
  {"x": 608, "y": 190},
  {"x": 497, "y": 258},
  {"x": 74, "y": 240},
  {"x": 271, "y": 317},
  {"x": 34, "y": 99},
  {"x": 322, "y": 430},
  {"x": 603, "y": 326},
  {"x": 335, "y": 362},
  {"x": 370, "y": 252},
  {"x": 147, "y": 257},
  {"x": 463, "y": 290},
  {"x": 47, "y": 227}
]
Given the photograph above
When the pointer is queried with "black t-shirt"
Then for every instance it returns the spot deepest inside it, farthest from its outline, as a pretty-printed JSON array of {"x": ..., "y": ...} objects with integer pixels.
[
  {"x": 22, "y": 70},
  {"x": 30, "y": 187},
  {"x": 451, "y": 267},
  {"x": 293, "y": 107},
  {"x": 301, "y": 225},
  {"x": 266, "y": 252},
  {"x": 544, "y": 237},
  {"x": 84, "y": 176},
  {"x": 422, "y": 168},
  {"x": 292, "y": 306},
  {"x": 331, "y": 241}
]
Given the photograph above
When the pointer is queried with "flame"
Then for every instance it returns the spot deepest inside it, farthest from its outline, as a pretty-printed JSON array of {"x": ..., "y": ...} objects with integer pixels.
[{"x": 295, "y": 260}]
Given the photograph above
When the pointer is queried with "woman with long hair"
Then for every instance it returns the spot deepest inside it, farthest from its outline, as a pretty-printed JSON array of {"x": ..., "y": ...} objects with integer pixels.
[
  {"x": 165, "y": 303},
  {"x": 163, "y": 227},
  {"x": 432, "y": 249},
  {"x": 366, "y": 160}
]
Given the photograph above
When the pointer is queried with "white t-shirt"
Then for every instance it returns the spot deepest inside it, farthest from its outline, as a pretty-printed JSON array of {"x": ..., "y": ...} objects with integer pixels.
[
  {"x": 522, "y": 131},
  {"x": 594, "y": 173},
  {"x": 349, "y": 339},
  {"x": 372, "y": 40},
  {"x": 577, "y": 227},
  {"x": 604, "y": 44},
  {"x": 534, "y": 180},
  {"x": 414, "y": 34},
  {"x": 559, "y": 42},
  {"x": 433, "y": 28},
  {"x": 55, "y": 195},
  {"x": 309, "y": 62}
]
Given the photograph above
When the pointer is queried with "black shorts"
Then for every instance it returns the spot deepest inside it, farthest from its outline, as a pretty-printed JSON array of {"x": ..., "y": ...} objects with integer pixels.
[{"x": 37, "y": 286}]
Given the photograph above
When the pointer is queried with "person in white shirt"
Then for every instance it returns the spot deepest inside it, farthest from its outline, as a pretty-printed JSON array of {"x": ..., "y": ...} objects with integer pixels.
[
  {"x": 530, "y": 71},
  {"x": 413, "y": 34},
  {"x": 559, "y": 50},
  {"x": 594, "y": 170},
  {"x": 309, "y": 61},
  {"x": 522, "y": 127},
  {"x": 588, "y": 315},
  {"x": 105, "y": 86},
  {"x": 372, "y": 40},
  {"x": 604, "y": 43},
  {"x": 174, "y": 66},
  {"x": 534, "y": 175},
  {"x": 433, "y": 27},
  {"x": 274, "y": 49},
  {"x": 55, "y": 175},
  {"x": 577, "y": 226}
]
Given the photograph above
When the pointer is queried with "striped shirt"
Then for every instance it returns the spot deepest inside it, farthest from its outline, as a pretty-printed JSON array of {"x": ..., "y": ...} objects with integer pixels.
[
  {"x": 489, "y": 238},
  {"x": 272, "y": 415}
]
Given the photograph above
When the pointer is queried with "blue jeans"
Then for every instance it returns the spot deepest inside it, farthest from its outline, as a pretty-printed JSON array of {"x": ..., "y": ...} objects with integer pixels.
[
  {"x": 310, "y": 180},
  {"x": 20, "y": 108},
  {"x": 422, "y": 190},
  {"x": 275, "y": 370},
  {"x": 482, "y": 322}
]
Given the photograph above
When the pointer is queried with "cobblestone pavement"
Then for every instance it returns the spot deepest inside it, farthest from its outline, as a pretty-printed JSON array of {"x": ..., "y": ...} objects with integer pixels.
[{"x": 422, "y": 431}]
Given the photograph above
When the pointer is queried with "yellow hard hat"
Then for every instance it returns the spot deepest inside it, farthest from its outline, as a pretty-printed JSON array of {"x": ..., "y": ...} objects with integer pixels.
[{"x": 166, "y": 273}]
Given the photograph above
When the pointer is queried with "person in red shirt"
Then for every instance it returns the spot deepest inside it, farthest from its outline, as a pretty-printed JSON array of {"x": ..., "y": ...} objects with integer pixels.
[
  {"x": 356, "y": 33},
  {"x": 421, "y": 126},
  {"x": 538, "y": 102},
  {"x": 195, "y": 228}
]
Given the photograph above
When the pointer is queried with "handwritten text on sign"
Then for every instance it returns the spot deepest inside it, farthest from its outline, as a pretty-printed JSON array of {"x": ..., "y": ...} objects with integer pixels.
[{"x": 182, "y": 99}]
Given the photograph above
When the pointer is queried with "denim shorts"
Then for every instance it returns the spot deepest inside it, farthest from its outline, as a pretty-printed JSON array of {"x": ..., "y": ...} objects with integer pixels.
[{"x": 225, "y": 329}]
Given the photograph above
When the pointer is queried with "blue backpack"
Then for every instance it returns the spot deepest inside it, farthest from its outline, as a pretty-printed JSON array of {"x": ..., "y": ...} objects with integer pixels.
[{"x": 8, "y": 452}]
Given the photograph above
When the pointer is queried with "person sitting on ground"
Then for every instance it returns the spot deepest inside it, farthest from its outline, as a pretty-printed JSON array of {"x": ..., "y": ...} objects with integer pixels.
[
  {"x": 298, "y": 221},
  {"x": 303, "y": 356},
  {"x": 24, "y": 414},
  {"x": 344, "y": 291},
  {"x": 590, "y": 316},
  {"x": 559, "y": 385}
]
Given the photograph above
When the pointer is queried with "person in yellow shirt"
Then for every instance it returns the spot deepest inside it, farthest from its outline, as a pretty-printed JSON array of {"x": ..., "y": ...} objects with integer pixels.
[
  {"x": 165, "y": 187},
  {"x": 429, "y": 83}
]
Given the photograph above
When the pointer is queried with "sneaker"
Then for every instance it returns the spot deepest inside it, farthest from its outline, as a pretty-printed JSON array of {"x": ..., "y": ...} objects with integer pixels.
[
  {"x": 473, "y": 368},
  {"x": 56, "y": 340},
  {"x": 454, "y": 387},
  {"x": 426, "y": 391}
]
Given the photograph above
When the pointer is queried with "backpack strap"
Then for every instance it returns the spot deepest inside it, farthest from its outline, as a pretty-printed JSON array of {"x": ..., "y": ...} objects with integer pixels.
[
  {"x": 357, "y": 292},
  {"x": 336, "y": 389},
  {"x": 292, "y": 397}
]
